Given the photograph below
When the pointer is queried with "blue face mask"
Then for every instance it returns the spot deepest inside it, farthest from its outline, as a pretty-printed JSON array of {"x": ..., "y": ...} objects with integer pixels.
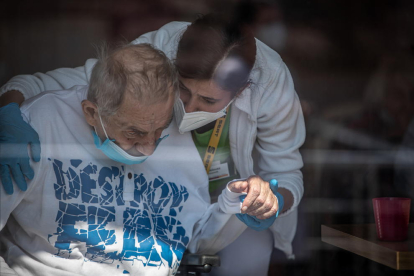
[{"x": 114, "y": 152}]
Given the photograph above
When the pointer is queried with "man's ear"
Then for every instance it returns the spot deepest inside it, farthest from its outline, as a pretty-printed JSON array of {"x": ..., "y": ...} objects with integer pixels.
[{"x": 90, "y": 111}]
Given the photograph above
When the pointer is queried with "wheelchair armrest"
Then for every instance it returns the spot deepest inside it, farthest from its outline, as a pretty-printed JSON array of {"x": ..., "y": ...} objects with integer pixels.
[{"x": 198, "y": 263}]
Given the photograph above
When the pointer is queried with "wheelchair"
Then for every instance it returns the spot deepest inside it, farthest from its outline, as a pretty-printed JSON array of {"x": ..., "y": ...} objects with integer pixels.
[{"x": 195, "y": 264}]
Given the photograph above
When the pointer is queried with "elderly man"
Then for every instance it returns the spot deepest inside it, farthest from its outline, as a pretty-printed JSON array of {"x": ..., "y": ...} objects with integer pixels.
[{"x": 93, "y": 207}]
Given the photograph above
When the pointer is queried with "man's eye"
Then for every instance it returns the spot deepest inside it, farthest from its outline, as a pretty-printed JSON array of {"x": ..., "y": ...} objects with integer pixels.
[{"x": 130, "y": 133}]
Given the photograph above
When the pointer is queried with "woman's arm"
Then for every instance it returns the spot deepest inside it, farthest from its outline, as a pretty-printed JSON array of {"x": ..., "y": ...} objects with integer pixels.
[
  {"x": 15, "y": 134},
  {"x": 62, "y": 78},
  {"x": 19, "y": 88},
  {"x": 165, "y": 39},
  {"x": 280, "y": 134}
]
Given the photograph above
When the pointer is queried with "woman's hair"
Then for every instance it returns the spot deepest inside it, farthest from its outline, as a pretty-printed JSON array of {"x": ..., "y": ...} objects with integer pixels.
[
  {"x": 141, "y": 70},
  {"x": 215, "y": 47}
]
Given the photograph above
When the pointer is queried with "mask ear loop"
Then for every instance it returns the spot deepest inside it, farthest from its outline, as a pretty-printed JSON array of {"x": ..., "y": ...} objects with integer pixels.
[{"x": 102, "y": 126}]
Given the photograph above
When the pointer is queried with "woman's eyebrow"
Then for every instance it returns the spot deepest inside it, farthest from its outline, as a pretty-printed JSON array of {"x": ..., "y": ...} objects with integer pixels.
[
  {"x": 210, "y": 99},
  {"x": 204, "y": 97}
]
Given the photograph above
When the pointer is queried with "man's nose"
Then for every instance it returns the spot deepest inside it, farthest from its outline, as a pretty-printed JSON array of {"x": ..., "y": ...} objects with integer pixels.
[
  {"x": 147, "y": 144},
  {"x": 146, "y": 149}
]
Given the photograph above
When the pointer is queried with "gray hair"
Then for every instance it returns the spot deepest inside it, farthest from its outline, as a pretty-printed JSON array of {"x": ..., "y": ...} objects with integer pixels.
[{"x": 139, "y": 69}]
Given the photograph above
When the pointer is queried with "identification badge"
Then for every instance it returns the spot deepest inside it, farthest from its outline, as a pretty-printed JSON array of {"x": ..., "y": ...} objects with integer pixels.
[{"x": 218, "y": 171}]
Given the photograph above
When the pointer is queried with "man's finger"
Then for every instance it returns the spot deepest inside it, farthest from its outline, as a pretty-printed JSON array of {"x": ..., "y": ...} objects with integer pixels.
[
  {"x": 252, "y": 194},
  {"x": 267, "y": 215},
  {"x": 262, "y": 205},
  {"x": 265, "y": 197},
  {"x": 18, "y": 177},
  {"x": 238, "y": 186},
  {"x": 265, "y": 206},
  {"x": 6, "y": 179},
  {"x": 260, "y": 201}
]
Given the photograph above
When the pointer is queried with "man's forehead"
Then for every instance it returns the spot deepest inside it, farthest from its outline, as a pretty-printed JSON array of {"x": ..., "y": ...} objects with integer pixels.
[
  {"x": 134, "y": 114},
  {"x": 147, "y": 119}
]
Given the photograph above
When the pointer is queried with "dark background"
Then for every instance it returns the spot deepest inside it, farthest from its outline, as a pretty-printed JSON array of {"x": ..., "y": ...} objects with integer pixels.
[{"x": 336, "y": 52}]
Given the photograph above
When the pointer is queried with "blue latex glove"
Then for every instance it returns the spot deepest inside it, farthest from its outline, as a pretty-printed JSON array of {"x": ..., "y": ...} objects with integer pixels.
[
  {"x": 15, "y": 134},
  {"x": 262, "y": 224}
]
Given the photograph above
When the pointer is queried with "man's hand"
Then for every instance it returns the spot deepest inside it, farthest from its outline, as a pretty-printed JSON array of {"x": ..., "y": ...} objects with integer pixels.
[
  {"x": 260, "y": 200},
  {"x": 15, "y": 135}
]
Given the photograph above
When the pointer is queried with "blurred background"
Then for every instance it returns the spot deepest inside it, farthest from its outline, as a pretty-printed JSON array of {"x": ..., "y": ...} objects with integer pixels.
[{"x": 353, "y": 67}]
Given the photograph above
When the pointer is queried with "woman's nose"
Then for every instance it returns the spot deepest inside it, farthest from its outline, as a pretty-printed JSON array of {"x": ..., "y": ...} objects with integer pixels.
[{"x": 190, "y": 105}]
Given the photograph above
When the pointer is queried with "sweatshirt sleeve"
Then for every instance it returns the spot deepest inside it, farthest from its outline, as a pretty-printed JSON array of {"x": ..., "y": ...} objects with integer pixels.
[
  {"x": 63, "y": 78},
  {"x": 218, "y": 227},
  {"x": 5, "y": 269},
  {"x": 8, "y": 203}
]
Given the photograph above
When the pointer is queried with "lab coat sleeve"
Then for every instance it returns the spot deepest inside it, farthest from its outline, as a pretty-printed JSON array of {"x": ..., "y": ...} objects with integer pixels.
[
  {"x": 165, "y": 39},
  {"x": 280, "y": 134},
  {"x": 63, "y": 78},
  {"x": 218, "y": 227}
]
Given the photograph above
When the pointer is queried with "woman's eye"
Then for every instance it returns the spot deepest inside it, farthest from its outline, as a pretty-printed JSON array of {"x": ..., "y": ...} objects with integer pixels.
[{"x": 209, "y": 101}]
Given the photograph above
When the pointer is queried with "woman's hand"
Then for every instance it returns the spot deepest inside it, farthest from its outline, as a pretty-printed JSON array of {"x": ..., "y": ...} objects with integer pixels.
[
  {"x": 15, "y": 135},
  {"x": 260, "y": 200}
]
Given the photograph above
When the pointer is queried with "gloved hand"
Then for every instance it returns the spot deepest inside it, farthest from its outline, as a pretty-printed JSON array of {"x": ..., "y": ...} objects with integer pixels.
[
  {"x": 262, "y": 224},
  {"x": 15, "y": 134}
]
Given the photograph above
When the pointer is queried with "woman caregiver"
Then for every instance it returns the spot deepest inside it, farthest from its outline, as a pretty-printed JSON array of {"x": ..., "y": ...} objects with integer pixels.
[{"x": 222, "y": 70}]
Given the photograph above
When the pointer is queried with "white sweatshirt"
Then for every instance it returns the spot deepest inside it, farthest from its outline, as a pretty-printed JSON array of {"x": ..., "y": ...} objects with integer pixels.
[
  {"x": 85, "y": 214},
  {"x": 266, "y": 127}
]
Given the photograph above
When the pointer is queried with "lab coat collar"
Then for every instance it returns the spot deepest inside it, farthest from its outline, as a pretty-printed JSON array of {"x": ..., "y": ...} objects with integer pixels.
[{"x": 243, "y": 101}]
